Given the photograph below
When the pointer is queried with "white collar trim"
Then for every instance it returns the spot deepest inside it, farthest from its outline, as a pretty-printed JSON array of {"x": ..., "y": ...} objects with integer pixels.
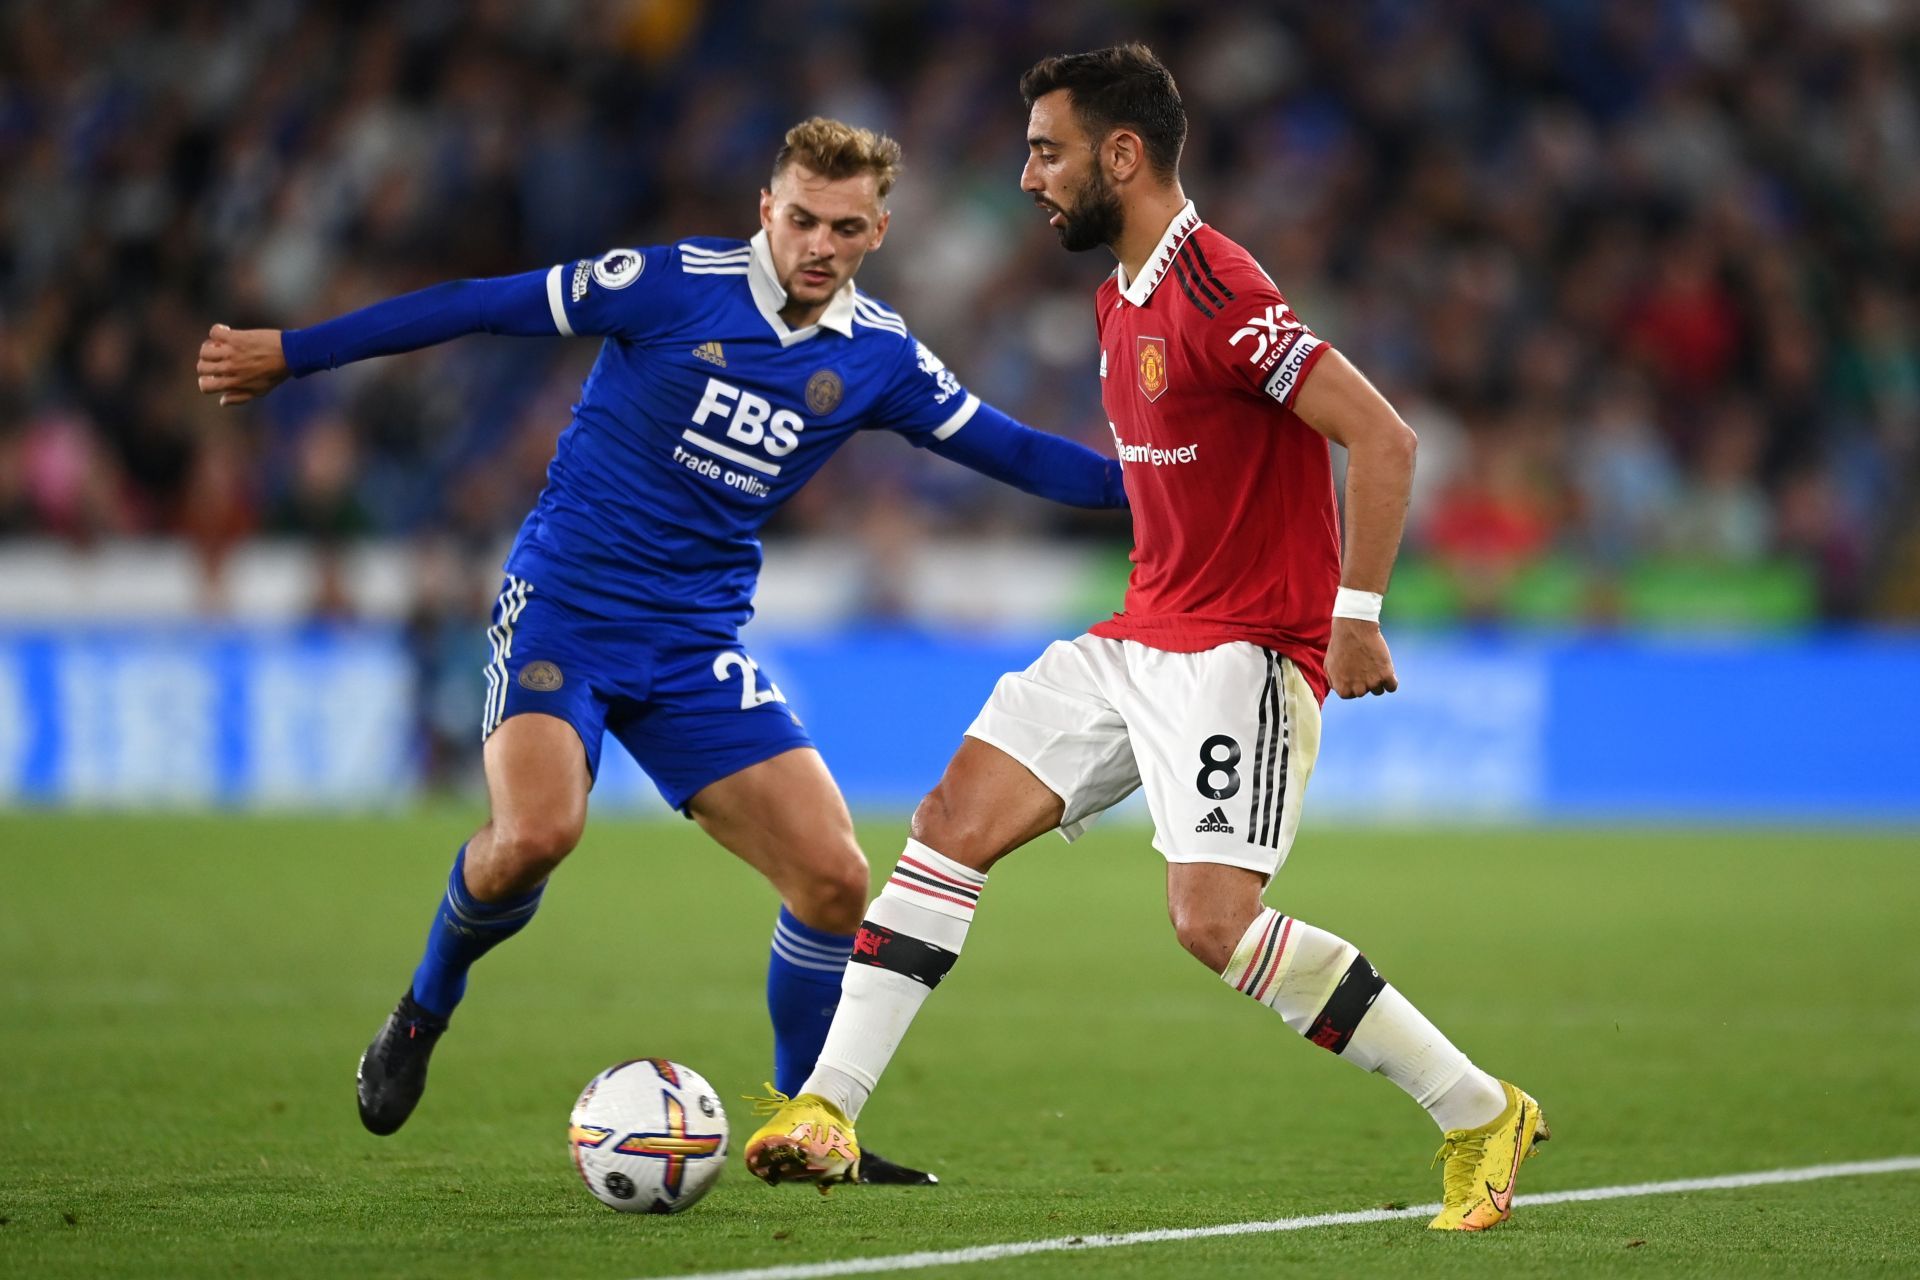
[
  {"x": 769, "y": 297},
  {"x": 1160, "y": 261}
]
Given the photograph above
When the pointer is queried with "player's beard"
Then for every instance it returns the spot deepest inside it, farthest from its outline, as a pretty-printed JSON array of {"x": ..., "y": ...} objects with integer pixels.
[{"x": 1096, "y": 217}]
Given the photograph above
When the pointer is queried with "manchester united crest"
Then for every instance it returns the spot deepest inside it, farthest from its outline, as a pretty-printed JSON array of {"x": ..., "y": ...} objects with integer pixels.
[
  {"x": 1153, "y": 367},
  {"x": 824, "y": 390}
]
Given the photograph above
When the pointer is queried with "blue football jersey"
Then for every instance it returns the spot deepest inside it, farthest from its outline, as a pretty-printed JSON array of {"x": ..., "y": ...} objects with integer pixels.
[{"x": 703, "y": 413}]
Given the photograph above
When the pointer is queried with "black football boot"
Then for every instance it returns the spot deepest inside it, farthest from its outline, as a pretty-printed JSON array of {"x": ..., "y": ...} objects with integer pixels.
[
  {"x": 393, "y": 1070},
  {"x": 878, "y": 1171}
]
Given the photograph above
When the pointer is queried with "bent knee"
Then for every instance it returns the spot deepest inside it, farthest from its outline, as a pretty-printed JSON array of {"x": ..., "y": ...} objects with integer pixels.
[
  {"x": 832, "y": 895},
  {"x": 986, "y": 805},
  {"x": 527, "y": 848},
  {"x": 961, "y": 832},
  {"x": 1208, "y": 935}
]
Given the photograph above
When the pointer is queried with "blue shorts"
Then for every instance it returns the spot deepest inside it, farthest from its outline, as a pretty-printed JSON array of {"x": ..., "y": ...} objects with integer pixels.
[{"x": 685, "y": 700}]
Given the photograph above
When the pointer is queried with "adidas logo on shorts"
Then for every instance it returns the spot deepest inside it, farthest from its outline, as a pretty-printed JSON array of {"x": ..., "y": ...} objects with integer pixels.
[{"x": 1215, "y": 822}]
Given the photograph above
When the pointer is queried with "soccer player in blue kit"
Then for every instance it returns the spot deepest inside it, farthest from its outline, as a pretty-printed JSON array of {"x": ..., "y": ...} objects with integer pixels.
[{"x": 731, "y": 370}]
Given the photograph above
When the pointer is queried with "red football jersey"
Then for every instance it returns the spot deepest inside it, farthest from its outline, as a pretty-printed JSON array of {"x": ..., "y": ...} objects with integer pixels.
[{"x": 1236, "y": 534}]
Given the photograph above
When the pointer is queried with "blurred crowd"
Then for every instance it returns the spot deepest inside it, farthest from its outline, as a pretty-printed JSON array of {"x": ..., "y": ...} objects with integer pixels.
[{"x": 1642, "y": 273}]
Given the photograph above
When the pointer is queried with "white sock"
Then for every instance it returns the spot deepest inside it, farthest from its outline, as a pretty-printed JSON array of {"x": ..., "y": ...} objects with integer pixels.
[
  {"x": 1323, "y": 988},
  {"x": 912, "y": 935}
]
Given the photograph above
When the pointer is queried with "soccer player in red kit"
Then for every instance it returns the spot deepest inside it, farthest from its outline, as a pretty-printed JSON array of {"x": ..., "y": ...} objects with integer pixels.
[{"x": 1205, "y": 689}]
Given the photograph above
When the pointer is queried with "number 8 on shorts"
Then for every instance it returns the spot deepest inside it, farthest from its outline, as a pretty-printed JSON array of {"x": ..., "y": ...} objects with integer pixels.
[{"x": 1223, "y": 741}]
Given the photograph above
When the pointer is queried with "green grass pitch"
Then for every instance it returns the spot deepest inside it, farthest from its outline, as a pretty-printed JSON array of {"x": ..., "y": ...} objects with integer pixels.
[{"x": 182, "y": 1000}]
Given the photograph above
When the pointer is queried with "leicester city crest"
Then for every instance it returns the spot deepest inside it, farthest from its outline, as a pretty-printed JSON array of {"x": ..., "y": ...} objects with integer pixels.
[
  {"x": 541, "y": 677},
  {"x": 824, "y": 390}
]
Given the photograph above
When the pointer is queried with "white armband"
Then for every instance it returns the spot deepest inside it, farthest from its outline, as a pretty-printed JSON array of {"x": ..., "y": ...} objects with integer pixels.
[{"x": 1361, "y": 605}]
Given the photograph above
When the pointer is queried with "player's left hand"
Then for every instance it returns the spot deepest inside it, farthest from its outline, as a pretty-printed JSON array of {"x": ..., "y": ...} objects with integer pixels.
[
  {"x": 1357, "y": 659},
  {"x": 239, "y": 365}
]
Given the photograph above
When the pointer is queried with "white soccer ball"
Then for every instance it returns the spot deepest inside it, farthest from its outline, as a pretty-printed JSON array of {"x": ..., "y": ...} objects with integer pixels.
[{"x": 649, "y": 1136}]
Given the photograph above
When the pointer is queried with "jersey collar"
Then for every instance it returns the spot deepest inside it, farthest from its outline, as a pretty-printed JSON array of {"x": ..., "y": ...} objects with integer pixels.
[
  {"x": 1160, "y": 260},
  {"x": 769, "y": 297}
]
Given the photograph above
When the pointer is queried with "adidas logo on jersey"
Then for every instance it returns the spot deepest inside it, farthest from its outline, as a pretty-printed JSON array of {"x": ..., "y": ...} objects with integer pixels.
[
  {"x": 711, "y": 353},
  {"x": 1215, "y": 823}
]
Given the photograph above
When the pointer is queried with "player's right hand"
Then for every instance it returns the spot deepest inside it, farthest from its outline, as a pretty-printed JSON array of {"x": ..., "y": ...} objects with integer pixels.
[
  {"x": 239, "y": 365},
  {"x": 1357, "y": 660}
]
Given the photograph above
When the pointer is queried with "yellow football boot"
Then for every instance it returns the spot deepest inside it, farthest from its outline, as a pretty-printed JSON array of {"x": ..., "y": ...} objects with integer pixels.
[
  {"x": 807, "y": 1140},
  {"x": 1483, "y": 1164}
]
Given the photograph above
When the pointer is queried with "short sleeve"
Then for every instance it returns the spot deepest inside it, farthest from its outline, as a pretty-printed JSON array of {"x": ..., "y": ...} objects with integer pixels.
[
  {"x": 925, "y": 401},
  {"x": 617, "y": 294},
  {"x": 1259, "y": 343}
]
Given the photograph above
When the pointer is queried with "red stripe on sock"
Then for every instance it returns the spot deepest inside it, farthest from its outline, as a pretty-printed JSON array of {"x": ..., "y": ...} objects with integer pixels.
[
  {"x": 1253, "y": 965},
  {"x": 953, "y": 882},
  {"x": 893, "y": 882},
  {"x": 1279, "y": 954}
]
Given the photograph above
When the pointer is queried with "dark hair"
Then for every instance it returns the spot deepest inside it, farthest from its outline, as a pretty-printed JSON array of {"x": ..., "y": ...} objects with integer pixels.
[{"x": 1121, "y": 87}]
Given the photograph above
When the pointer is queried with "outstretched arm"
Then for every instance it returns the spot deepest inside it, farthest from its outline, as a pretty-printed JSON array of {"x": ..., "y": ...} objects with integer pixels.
[
  {"x": 239, "y": 365},
  {"x": 1339, "y": 403},
  {"x": 1036, "y": 462}
]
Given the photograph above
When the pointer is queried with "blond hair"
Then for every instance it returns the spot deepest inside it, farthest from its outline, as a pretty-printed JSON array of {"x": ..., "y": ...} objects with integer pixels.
[{"x": 836, "y": 150}]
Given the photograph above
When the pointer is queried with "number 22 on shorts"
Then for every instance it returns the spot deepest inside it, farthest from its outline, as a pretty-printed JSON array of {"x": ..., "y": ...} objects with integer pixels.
[{"x": 751, "y": 695}]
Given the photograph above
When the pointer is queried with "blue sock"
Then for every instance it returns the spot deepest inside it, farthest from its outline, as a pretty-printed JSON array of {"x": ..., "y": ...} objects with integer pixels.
[
  {"x": 803, "y": 990},
  {"x": 464, "y": 929}
]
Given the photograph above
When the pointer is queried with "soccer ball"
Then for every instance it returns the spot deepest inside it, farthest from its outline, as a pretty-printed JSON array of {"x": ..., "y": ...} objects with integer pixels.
[{"x": 648, "y": 1136}]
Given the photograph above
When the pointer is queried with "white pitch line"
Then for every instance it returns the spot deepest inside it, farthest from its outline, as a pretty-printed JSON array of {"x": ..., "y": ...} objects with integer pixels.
[{"x": 1066, "y": 1244}]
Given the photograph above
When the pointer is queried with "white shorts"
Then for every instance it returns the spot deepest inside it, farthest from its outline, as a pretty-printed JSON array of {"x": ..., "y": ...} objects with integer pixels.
[{"x": 1223, "y": 741}]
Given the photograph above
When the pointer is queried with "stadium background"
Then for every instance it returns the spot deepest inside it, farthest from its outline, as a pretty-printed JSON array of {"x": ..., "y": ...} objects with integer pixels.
[{"x": 1642, "y": 275}]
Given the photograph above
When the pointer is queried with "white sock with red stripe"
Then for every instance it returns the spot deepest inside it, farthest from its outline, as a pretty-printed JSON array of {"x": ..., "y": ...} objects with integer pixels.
[
  {"x": 1322, "y": 987},
  {"x": 912, "y": 935}
]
